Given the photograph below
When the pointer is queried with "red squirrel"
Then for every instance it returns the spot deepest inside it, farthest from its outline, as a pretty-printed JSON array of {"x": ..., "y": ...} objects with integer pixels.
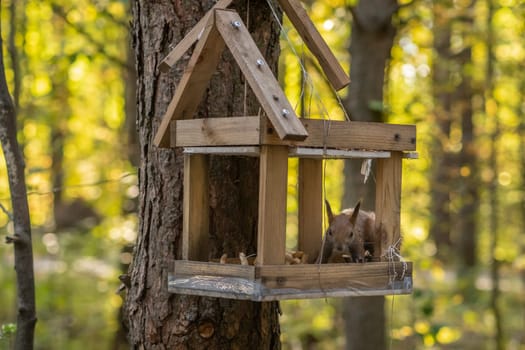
[{"x": 349, "y": 237}]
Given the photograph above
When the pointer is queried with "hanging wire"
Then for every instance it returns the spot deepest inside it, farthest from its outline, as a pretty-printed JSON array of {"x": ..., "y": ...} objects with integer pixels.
[
  {"x": 308, "y": 79},
  {"x": 392, "y": 255}
]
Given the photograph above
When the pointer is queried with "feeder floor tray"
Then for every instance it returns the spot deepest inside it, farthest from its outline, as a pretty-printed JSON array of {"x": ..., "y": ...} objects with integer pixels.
[{"x": 280, "y": 282}]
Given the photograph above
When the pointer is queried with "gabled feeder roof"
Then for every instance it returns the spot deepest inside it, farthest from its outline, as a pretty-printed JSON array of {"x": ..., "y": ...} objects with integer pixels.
[{"x": 220, "y": 28}]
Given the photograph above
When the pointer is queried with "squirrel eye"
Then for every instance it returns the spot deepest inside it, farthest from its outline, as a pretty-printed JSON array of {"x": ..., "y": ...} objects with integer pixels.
[
  {"x": 351, "y": 234},
  {"x": 329, "y": 232}
]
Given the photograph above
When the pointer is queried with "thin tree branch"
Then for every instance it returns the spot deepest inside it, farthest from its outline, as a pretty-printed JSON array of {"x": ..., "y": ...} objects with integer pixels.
[
  {"x": 100, "y": 47},
  {"x": 6, "y": 212},
  {"x": 102, "y": 10}
]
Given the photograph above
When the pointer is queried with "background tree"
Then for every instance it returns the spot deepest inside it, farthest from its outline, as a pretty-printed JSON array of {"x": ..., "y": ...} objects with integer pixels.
[
  {"x": 21, "y": 239},
  {"x": 157, "y": 318},
  {"x": 371, "y": 41},
  {"x": 454, "y": 208}
]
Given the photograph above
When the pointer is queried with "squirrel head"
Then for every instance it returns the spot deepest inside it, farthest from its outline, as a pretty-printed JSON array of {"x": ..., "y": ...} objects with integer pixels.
[{"x": 342, "y": 236}]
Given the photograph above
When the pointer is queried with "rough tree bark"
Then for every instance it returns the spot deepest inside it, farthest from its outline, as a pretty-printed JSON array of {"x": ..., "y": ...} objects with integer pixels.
[
  {"x": 25, "y": 283},
  {"x": 371, "y": 42},
  {"x": 157, "y": 319}
]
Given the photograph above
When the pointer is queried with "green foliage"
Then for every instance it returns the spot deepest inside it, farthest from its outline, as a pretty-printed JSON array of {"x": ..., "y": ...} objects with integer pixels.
[
  {"x": 7, "y": 334},
  {"x": 7, "y": 330},
  {"x": 73, "y": 63}
]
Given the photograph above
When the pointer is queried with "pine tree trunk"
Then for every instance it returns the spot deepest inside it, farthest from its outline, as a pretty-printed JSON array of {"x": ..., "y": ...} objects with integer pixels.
[
  {"x": 157, "y": 319},
  {"x": 371, "y": 42}
]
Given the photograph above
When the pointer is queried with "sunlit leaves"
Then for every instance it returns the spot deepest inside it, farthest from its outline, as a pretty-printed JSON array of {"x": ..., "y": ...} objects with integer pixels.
[{"x": 73, "y": 59}]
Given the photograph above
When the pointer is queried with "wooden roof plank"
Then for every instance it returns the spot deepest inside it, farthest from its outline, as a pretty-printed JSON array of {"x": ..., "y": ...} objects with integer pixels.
[
  {"x": 259, "y": 76},
  {"x": 228, "y": 131},
  {"x": 315, "y": 42},
  {"x": 350, "y": 135},
  {"x": 193, "y": 35},
  {"x": 194, "y": 81}
]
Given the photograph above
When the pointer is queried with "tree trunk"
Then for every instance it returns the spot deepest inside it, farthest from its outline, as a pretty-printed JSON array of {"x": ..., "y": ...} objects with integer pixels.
[
  {"x": 493, "y": 164},
  {"x": 442, "y": 164},
  {"x": 25, "y": 282},
  {"x": 454, "y": 161},
  {"x": 522, "y": 202},
  {"x": 156, "y": 318},
  {"x": 371, "y": 42},
  {"x": 468, "y": 182}
]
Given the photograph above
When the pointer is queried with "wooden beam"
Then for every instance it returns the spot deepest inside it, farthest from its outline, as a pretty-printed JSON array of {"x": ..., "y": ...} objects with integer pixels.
[
  {"x": 196, "y": 268},
  {"x": 259, "y": 76},
  {"x": 195, "y": 222},
  {"x": 388, "y": 203},
  {"x": 332, "y": 134},
  {"x": 194, "y": 81},
  {"x": 282, "y": 282},
  {"x": 189, "y": 39},
  {"x": 315, "y": 42},
  {"x": 231, "y": 131},
  {"x": 273, "y": 176},
  {"x": 246, "y": 151},
  {"x": 349, "y": 135},
  {"x": 320, "y": 153},
  {"x": 310, "y": 207},
  {"x": 360, "y": 276},
  {"x": 297, "y": 152}
]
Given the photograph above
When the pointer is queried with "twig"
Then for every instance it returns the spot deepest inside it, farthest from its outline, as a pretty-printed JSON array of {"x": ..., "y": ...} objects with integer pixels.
[
  {"x": 101, "y": 48},
  {"x": 6, "y": 212}
]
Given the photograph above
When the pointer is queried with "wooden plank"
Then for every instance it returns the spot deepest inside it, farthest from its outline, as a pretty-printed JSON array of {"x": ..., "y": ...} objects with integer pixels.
[
  {"x": 189, "y": 39},
  {"x": 300, "y": 152},
  {"x": 282, "y": 282},
  {"x": 388, "y": 203},
  {"x": 348, "y": 135},
  {"x": 215, "y": 287},
  {"x": 195, "y": 268},
  {"x": 284, "y": 294},
  {"x": 314, "y": 41},
  {"x": 310, "y": 207},
  {"x": 332, "y": 134},
  {"x": 320, "y": 153},
  {"x": 195, "y": 226},
  {"x": 193, "y": 83},
  {"x": 247, "y": 151},
  {"x": 230, "y": 131},
  {"x": 352, "y": 276},
  {"x": 331, "y": 271},
  {"x": 259, "y": 76},
  {"x": 273, "y": 176}
]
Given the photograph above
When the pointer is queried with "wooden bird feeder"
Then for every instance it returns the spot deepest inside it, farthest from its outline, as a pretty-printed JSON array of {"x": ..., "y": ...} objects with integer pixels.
[{"x": 275, "y": 136}]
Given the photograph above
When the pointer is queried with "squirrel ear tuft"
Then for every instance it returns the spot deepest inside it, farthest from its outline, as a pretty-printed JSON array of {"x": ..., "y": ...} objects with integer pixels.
[
  {"x": 329, "y": 211},
  {"x": 355, "y": 213}
]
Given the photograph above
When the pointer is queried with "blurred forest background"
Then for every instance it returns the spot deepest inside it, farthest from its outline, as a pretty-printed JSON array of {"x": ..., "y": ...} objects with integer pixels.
[{"x": 457, "y": 70}]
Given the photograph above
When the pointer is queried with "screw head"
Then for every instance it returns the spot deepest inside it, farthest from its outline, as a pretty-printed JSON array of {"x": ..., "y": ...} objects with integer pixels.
[
  {"x": 260, "y": 62},
  {"x": 236, "y": 24},
  {"x": 285, "y": 112}
]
